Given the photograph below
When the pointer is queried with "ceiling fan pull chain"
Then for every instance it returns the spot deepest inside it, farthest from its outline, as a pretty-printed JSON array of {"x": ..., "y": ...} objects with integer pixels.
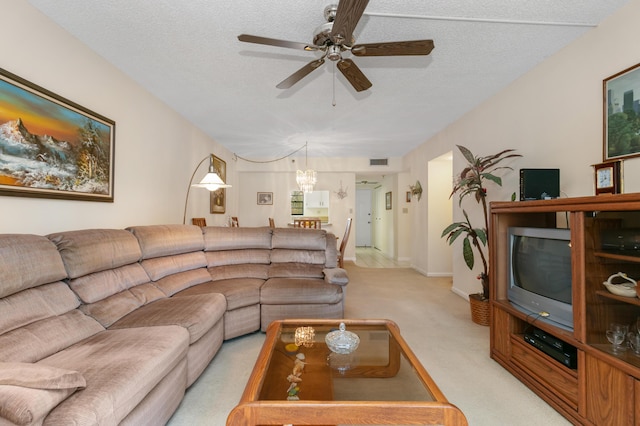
[{"x": 334, "y": 85}]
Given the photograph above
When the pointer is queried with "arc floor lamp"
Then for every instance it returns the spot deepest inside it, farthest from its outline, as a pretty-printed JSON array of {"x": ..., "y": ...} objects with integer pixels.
[{"x": 211, "y": 182}]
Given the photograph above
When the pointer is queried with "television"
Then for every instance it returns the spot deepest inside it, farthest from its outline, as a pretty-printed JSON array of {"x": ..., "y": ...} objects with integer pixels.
[{"x": 540, "y": 274}]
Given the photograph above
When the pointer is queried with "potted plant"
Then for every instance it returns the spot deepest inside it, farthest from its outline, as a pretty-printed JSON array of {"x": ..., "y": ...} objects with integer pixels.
[{"x": 471, "y": 181}]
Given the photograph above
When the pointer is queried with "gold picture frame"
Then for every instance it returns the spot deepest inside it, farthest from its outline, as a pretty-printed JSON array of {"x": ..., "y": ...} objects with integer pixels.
[
  {"x": 218, "y": 198},
  {"x": 59, "y": 149}
]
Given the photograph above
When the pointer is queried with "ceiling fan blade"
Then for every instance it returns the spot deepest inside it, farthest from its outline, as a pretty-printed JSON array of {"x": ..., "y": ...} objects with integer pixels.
[
  {"x": 395, "y": 48},
  {"x": 275, "y": 42},
  {"x": 350, "y": 70},
  {"x": 347, "y": 16},
  {"x": 300, "y": 74}
]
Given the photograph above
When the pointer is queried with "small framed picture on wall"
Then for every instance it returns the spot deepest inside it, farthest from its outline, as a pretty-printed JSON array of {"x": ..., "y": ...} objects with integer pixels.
[
  {"x": 387, "y": 200},
  {"x": 265, "y": 198}
]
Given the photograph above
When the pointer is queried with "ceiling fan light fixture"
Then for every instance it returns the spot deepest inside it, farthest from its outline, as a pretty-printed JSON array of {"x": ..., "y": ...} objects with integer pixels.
[{"x": 333, "y": 53}]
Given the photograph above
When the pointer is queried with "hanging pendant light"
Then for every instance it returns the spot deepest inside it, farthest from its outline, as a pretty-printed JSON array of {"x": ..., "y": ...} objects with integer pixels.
[{"x": 306, "y": 179}]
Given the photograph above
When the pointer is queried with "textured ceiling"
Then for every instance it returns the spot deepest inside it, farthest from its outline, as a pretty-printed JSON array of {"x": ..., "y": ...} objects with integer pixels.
[{"x": 188, "y": 55}]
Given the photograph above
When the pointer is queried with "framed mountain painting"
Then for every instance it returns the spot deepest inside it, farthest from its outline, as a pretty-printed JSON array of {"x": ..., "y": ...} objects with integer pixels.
[{"x": 51, "y": 147}]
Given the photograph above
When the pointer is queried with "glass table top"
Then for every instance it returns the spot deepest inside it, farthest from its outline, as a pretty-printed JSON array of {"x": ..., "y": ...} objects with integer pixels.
[{"x": 377, "y": 370}]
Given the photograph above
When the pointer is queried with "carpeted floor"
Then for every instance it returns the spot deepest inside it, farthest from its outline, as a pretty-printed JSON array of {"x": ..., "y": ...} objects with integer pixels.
[{"x": 435, "y": 323}]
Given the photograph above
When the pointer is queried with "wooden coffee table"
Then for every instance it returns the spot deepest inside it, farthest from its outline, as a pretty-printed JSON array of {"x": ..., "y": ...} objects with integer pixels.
[{"x": 382, "y": 382}]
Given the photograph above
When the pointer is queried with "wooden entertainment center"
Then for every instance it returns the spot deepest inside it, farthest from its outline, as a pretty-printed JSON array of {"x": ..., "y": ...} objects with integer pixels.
[{"x": 604, "y": 388}]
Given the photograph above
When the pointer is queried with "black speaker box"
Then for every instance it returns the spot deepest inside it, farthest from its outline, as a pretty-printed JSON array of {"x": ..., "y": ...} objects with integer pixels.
[{"x": 539, "y": 184}]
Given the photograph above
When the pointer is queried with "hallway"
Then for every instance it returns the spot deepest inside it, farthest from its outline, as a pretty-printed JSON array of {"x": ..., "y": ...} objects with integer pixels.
[{"x": 369, "y": 257}]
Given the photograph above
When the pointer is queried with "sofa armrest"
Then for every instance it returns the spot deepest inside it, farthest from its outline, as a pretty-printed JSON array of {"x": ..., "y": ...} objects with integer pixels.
[{"x": 336, "y": 276}]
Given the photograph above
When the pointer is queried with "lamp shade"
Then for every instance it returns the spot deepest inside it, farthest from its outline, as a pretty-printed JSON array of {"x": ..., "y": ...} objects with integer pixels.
[{"x": 211, "y": 182}]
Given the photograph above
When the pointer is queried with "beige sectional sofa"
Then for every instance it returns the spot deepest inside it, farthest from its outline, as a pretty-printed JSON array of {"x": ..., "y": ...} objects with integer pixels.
[{"x": 110, "y": 326}]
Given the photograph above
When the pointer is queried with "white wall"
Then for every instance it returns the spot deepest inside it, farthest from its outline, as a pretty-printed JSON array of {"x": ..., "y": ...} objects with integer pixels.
[
  {"x": 552, "y": 116},
  {"x": 281, "y": 184},
  {"x": 440, "y": 213},
  {"x": 156, "y": 150}
]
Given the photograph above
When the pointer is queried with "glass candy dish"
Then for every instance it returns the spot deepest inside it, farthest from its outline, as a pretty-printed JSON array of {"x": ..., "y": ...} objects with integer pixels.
[{"x": 342, "y": 341}]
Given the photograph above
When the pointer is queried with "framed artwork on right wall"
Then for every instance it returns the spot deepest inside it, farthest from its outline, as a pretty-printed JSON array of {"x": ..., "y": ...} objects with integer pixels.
[{"x": 621, "y": 114}]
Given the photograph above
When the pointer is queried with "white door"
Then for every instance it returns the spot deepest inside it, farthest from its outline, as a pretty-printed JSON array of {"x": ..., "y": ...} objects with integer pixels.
[{"x": 363, "y": 217}]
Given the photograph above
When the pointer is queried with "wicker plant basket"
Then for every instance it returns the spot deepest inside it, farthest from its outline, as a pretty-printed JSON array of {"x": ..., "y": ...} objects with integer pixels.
[{"x": 479, "y": 309}]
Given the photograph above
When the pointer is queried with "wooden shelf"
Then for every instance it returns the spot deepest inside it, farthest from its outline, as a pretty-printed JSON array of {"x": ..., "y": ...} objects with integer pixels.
[
  {"x": 630, "y": 300},
  {"x": 605, "y": 387},
  {"x": 617, "y": 256}
]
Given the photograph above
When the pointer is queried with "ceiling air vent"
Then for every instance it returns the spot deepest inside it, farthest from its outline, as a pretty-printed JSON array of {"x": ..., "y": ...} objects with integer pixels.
[{"x": 378, "y": 161}]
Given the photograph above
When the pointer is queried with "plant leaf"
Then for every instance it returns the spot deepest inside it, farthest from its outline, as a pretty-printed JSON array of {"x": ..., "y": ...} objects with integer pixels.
[
  {"x": 467, "y": 252},
  {"x": 467, "y": 154},
  {"x": 482, "y": 235},
  {"x": 493, "y": 178}
]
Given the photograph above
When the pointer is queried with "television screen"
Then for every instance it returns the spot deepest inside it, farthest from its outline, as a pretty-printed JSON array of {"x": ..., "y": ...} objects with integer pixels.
[
  {"x": 540, "y": 278},
  {"x": 543, "y": 266}
]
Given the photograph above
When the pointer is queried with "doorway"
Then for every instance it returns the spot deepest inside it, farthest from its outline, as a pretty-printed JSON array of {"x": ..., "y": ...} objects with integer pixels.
[{"x": 363, "y": 217}]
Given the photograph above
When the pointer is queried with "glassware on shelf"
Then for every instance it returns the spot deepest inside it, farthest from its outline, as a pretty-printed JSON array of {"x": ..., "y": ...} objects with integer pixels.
[
  {"x": 634, "y": 342},
  {"x": 616, "y": 333}
]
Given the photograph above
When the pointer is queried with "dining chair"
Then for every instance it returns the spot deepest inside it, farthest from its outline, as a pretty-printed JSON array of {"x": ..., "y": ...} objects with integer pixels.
[
  {"x": 199, "y": 221},
  {"x": 307, "y": 223},
  {"x": 343, "y": 244},
  {"x": 234, "y": 222}
]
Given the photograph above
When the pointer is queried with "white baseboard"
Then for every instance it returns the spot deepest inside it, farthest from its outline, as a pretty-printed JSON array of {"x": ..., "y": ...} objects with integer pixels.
[
  {"x": 439, "y": 274},
  {"x": 460, "y": 293}
]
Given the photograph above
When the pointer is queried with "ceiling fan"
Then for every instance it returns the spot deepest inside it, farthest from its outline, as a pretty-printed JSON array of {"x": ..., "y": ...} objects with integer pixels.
[{"x": 335, "y": 38}]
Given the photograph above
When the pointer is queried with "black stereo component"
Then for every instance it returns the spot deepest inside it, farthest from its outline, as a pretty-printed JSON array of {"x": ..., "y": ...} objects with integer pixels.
[
  {"x": 620, "y": 239},
  {"x": 539, "y": 184},
  {"x": 552, "y": 346}
]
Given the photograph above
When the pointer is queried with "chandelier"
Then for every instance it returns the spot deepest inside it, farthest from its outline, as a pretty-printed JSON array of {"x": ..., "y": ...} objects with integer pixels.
[{"x": 306, "y": 179}]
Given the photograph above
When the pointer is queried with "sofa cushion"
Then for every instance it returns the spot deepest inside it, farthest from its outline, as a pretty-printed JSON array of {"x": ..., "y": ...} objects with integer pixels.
[
  {"x": 177, "y": 282},
  {"x": 226, "y": 238},
  {"x": 166, "y": 240},
  {"x": 109, "y": 310},
  {"x": 35, "y": 341},
  {"x": 39, "y": 376},
  {"x": 26, "y": 406},
  {"x": 161, "y": 267},
  {"x": 94, "y": 250},
  {"x": 28, "y": 261},
  {"x": 121, "y": 367},
  {"x": 315, "y": 257},
  {"x": 239, "y": 271},
  {"x": 299, "y": 239},
  {"x": 239, "y": 292},
  {"x": 100, "y": 285},
  {"x": 295, "y": 270},
  {"x": 198, "y": 314},
  {"x": 36, "y": 304},
  {"x": 288, "y": 291},
  {"x": 236, "y": 257}
]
